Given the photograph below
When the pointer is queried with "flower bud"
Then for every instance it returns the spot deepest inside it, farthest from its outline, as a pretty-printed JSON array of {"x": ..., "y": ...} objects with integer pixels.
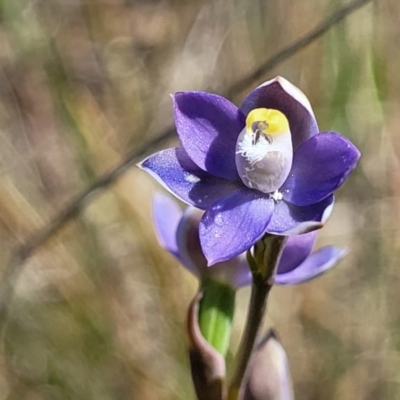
[{"x": 268, "y": 377}]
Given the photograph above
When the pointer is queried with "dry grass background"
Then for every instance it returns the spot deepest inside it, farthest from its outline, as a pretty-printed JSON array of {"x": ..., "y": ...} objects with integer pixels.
[{"x": 99, "y": 310}]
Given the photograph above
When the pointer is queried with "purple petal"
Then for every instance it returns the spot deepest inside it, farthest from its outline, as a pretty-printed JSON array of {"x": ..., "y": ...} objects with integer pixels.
[
  {"x": 315, "y": 265},
  {"x": 320, "y": 166},
  {"x": 235, "y": 272},
  {"x": 177, "y": 173},
  {"x": 208, "y": 126},
  {"x": 233, "y": 224},
  {"x": 289, "y": 219},
  {"x": 296, "y": 250},
  {"x": 281, "y": 95},
  {"x": 188, "y": 242},
  {"x": 166, "y": 215}
]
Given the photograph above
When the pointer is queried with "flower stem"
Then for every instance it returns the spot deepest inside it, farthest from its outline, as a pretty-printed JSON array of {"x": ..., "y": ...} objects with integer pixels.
[
  {"x": 258, "y": 301},
  {"x": 263, "y": 265}
]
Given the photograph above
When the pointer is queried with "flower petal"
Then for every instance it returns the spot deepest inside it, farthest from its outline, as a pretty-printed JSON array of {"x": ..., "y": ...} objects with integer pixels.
[
  {"x": 166, "y": 215},
  {"x": 177, "y": 173},
  {"x": 188, "y": 241},
  {"x": 233, "y": 224},
  {"x": 289, "y": 219},
  {"x": 280, "y": 94},
  {"x": 314, "y": 265},
  {"x": 234, "y": 272},
  {"x": 208, "y": 126},
  {"x": 320, "y": 166},
  {"x": 296, "y": 250}
]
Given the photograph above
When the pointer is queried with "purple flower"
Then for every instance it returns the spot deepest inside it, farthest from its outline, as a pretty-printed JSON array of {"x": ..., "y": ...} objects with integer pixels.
[
  {"x": 178, "y": 232},
  {"x": 261, "y": 168}
]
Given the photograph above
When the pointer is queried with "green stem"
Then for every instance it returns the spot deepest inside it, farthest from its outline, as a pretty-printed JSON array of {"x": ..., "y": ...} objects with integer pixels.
[
  {"x": 263, "y": 264},
  {"x": 216, "y": 314}
]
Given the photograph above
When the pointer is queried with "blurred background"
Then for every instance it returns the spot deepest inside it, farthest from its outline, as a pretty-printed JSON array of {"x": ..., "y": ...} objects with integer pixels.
[{"x": 99, "y": 310}]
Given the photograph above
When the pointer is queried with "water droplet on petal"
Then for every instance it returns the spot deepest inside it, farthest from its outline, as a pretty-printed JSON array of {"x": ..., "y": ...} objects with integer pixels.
[{"x": 218, "y": 220}]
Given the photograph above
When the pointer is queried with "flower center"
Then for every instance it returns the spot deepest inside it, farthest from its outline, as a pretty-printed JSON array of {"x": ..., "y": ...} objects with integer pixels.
[
  {"x": 264, "y": 151},
  {"x": 270, "y": 121}
]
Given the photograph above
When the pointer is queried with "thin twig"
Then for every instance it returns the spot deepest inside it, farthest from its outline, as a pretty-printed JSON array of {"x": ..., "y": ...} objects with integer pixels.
[
  {"x": 25, "y": 250},
  {"x": 295, "y": 47}
]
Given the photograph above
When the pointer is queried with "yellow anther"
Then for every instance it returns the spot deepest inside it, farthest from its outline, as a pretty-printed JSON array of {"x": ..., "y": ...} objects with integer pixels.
[{"x": 270, "y": 121}]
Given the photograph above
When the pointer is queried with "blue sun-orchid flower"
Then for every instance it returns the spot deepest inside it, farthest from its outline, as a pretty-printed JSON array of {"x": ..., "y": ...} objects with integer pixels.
[
  {"x": 261, "y": 168},
  {"x": 178, "y": 232}
]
